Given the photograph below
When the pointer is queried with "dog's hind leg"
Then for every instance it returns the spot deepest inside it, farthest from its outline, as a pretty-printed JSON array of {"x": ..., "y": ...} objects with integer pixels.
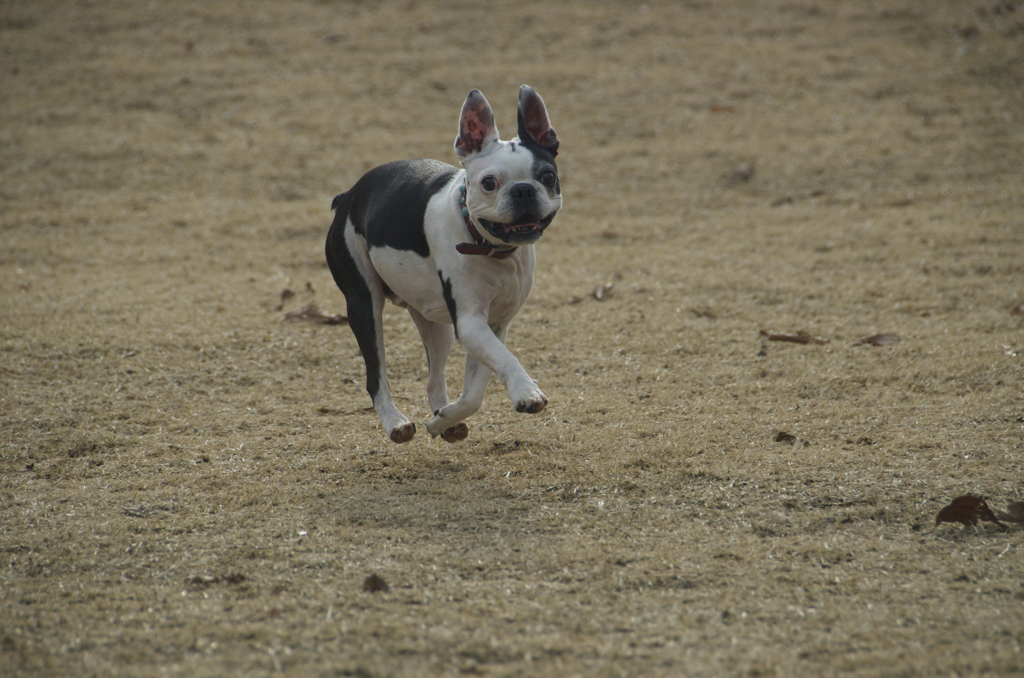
[
  {"x": 437, "y": 340},
  {"x": 364, "y": 293},
  {"x": 365, "y": 319}
]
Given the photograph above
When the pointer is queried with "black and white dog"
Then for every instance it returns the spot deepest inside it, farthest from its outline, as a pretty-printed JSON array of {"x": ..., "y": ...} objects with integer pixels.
[{"x": 454, "y": 247}]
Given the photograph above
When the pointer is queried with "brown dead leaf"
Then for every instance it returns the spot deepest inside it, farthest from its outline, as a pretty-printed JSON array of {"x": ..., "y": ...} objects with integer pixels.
[
  {"x": 314, "y": 315},
  {"x": 375, "y": 583},
  {"x": 741, "y": 174},
  {"x": 879, "y": 340},
  {"x": 602, "y": 291},
  {"x": 139, "y": 511},
  {"x": 1014, "y": 513},
  {"x": 798, "y": 338},
  {"x": 967, "y": 510},
  {"x": 286, "y": 294},
  {"x": 208, "y": 580},
  {"x": 783, "y": 437},
  {"x": 204, "y": 580}
]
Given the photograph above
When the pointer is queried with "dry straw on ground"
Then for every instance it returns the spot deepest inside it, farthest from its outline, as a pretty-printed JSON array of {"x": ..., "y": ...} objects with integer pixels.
[{"x": 193, "y": 487}]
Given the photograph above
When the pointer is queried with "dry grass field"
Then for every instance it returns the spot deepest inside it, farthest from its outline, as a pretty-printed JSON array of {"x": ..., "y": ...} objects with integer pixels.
[{"x": 190, "y": 486}]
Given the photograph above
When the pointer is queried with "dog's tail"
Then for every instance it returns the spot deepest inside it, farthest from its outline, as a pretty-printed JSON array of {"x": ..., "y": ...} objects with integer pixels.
[{"x": 337, "y": 201}]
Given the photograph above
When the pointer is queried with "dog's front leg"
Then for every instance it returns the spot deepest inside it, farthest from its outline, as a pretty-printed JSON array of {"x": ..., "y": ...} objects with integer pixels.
[
  {"x": 447, "y": 421},
  {"x": 487, "y": 346},
  {"x": 531, "y": 399}
]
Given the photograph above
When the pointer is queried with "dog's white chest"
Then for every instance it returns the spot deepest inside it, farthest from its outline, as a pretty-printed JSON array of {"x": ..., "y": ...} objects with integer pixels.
[{"x": 496, "y": 289}]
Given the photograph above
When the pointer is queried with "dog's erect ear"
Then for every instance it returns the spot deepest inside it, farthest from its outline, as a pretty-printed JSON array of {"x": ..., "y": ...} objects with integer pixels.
[
  {"x": 534, "y": 125},
  {"x": 476, "y": 126}
]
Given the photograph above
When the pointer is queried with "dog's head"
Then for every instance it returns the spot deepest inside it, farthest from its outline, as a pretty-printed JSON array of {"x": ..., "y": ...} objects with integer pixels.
[{"x": 512, "y": 189}]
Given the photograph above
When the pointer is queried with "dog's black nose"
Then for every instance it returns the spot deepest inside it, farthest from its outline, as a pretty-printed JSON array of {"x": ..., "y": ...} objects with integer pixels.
[{"x": 523, "y": 192}]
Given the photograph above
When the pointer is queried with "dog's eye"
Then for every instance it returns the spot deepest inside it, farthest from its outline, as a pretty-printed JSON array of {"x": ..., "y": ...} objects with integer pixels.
[
  {"x": 548, "y": 178},
  {"x": 489, "y": 184}
]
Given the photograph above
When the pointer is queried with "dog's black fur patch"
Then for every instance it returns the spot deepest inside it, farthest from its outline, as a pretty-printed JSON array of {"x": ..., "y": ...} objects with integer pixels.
[{"x": 388, "y": 203}]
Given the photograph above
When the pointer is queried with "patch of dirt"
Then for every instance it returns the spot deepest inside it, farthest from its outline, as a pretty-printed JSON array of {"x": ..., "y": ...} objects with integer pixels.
[{"x": 192, "y": 485}]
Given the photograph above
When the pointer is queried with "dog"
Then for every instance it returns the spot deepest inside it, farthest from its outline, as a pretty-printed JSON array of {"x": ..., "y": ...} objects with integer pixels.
[{"x": 455, "y": 248}]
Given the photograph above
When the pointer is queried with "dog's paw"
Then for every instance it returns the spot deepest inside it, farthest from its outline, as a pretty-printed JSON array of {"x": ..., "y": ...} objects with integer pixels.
[
  {"x": 403, "y": 433},
  {"x": 456, "y": 433},
  {"x": 533, "y": 405}
]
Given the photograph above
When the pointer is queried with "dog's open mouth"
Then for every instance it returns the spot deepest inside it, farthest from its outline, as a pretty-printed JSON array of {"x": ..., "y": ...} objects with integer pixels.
[{"x": 527, "y": 228}]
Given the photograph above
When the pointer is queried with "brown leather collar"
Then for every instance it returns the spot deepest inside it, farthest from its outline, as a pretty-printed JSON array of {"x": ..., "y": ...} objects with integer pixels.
[{"x": 479, "y": 246}]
